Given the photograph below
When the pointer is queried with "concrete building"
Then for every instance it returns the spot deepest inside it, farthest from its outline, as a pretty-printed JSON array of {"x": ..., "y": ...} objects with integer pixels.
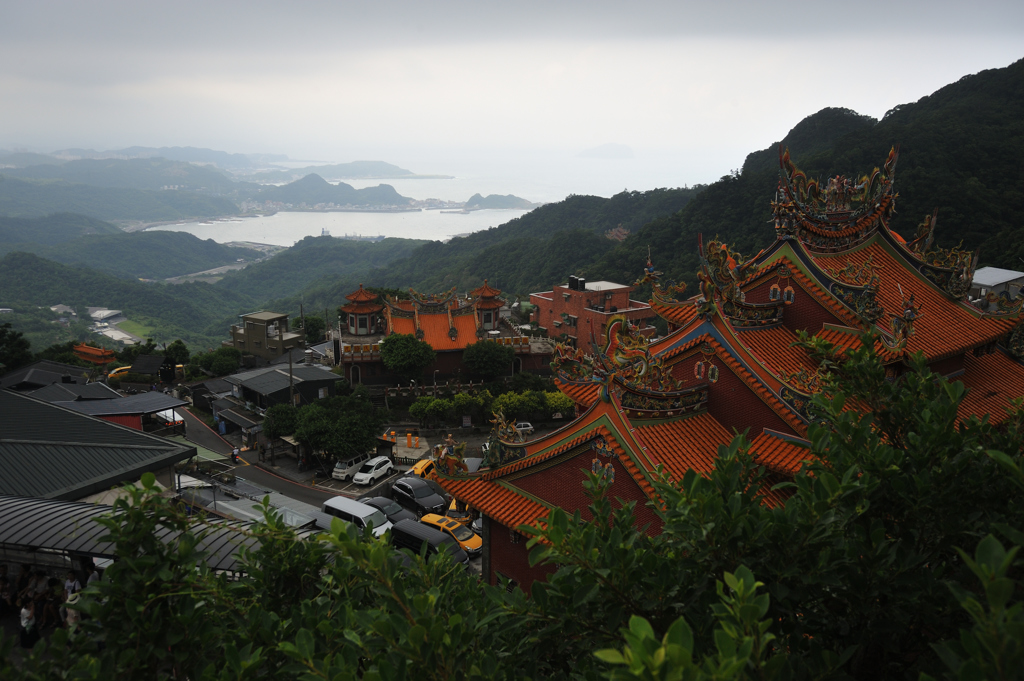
[
  {"x": 265, "y": 334},
  {"x": 581, "y": 310}
]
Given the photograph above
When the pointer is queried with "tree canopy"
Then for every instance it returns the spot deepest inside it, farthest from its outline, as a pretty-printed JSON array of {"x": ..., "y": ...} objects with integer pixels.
[
  {"x": 488, "y": 360},
  {"x": 405, "y": 354}
]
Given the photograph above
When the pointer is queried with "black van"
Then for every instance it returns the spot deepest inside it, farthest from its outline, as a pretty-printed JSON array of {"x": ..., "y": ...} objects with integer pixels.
[{"x": 409, "y": 534}]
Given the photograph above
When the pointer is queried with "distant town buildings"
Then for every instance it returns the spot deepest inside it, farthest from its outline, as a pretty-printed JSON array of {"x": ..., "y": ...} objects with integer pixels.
[{"x": 579, "y": 311}]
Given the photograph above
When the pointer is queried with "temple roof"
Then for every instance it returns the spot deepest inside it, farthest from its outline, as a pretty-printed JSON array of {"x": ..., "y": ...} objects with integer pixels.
[
  {"x": 363, "y": 302},
  {"x": 485, "y": 291},
  {"x": 992, "y": 381},
  {"x": 436, "y": 329}
]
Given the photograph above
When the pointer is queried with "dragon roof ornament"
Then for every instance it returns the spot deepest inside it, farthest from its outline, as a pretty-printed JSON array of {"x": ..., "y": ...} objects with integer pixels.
[
  {"x": 721, "y": 270},
  {"x": 432, "y": 300},
  {"x": 624, "y": 361},
  {"x": 902, "y": 325},
  {"x": 836, "y": 214},
  {"x": 951, "y": 269},
  {"x": 667, "y": 294}
]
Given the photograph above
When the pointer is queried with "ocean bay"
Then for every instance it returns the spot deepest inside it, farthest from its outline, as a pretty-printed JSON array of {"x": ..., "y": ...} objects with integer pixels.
[{"x": 286, "y": 227}]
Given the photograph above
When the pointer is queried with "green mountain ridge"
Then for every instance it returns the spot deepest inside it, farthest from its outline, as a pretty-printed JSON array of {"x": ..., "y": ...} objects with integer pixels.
[
  {"x": 313, "y": 189},
  {"x": 478, "y": 202},
  {"x": 136, "y": 173},
  {"x": 51, "y": 229},
  {"x": 37, "y": 198}
]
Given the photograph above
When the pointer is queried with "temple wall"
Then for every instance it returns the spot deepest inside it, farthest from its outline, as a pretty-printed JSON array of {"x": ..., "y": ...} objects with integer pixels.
[
  {"x": 805, "y": 313},
  {"x": 731, "y": 401},
  {"x": 562, "y": 485},
  {"x": 510, "y": 557}
]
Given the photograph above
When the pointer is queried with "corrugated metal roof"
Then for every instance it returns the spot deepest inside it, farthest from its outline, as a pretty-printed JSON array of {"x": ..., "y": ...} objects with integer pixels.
[
  {"x": 51, "y": 452},
  {"x": 64, "y": 392},
  {"x": 71, "y": 526},
  {"x": 238, "y": 417},
  {"x": 143, "y": 403},
  {"x": 148, "y": 364},
  {"x": 275, "y": 381},
  {"x": 43, "y": 373}
]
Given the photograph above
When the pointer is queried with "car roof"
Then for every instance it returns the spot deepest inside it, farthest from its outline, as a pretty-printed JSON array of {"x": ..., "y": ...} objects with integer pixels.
[{"x": 377, "y": 459}]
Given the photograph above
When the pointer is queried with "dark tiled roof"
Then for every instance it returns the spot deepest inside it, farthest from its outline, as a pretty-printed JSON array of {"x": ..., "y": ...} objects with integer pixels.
[
  {"x": 274, "y": 381},
  {"x": 51, "y": 452},
  {"x": 239, "y": 417}
]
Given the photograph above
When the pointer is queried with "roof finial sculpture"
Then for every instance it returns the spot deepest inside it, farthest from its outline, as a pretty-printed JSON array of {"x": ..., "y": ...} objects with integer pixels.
[{"x": 667, "y": 294}]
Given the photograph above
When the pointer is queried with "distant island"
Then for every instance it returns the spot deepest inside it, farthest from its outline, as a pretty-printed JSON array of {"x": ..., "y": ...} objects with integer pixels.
[{"x": 497, "y": 201}]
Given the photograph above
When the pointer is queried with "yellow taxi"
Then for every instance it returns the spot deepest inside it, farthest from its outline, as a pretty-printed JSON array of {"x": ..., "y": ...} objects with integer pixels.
[
  {"x": 458, "y": 516},
  {"x": 470, "y": 542},
  {"x": 424, "y": 468}
]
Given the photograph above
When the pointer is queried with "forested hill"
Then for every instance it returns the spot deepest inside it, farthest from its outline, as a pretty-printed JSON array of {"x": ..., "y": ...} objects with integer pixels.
[
  {"x": 35, "y": 198},
  {"x": 313, "y": 189},
  {"x": 50, "y": 229},
  {"x": 136, "y": 173},
  {"x": 341, "y": 261},
  {"x": 139, "y": 255},
  {"x": 187, "y": 311},
  {"x": 536, "y": 250},
  {"x": 960, "y": 151}
]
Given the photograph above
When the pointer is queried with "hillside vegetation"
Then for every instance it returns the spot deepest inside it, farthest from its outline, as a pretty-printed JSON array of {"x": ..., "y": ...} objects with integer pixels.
[
  {"x": 50, "y": 229},
  {"x": 313, "y": 189},
  {"x": 191, "y": 312},
  {"x": 960, "y": 152},
  {"x": 135, "y": 173},
  {"x": 36, "y": 198},
  {"x": 139, "y": 255}
]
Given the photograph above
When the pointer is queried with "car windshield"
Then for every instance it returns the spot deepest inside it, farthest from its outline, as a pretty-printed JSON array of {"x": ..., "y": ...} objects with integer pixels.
[
  {"x": 377, "y": 518},
  {"x": 366, "y": 468},
  {"x": 421, "y": 492},
  {"x": 392, "y": 508},
  {"x": 461, "y": 532}
]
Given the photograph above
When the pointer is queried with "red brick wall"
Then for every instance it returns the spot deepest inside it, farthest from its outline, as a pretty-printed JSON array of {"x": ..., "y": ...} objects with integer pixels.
[
  {"x": 590, "y": 323},
  {"x": 805, "y": 313},
  {"x": 512, "y": 559},
  {"x": 731, "y": 401},
  {"x": 562, "y": 485}
]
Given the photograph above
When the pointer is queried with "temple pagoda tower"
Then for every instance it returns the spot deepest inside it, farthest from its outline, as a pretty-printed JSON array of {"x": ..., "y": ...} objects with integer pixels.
[
  {"x": 487, "y": 304},
  {"x": 732, "y": 362},
  {"x": 362, "y": 313}
]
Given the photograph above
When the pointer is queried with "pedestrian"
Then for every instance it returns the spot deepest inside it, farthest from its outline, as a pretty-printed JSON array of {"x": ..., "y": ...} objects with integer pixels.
[
  {"x": 73, "y": 616},
  {"x": 71, "y": 584},
  {"x": 94, "y": 574},
  {"x": 29, "y": 632},
  {"x": 234, "y": 455}
]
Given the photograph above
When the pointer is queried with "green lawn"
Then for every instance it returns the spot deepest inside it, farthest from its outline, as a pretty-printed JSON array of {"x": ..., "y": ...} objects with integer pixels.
[{"x": 136, "y": 329}]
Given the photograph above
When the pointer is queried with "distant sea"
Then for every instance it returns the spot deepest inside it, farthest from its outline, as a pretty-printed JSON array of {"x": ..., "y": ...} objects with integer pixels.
[{"x": 537, "y": 179}]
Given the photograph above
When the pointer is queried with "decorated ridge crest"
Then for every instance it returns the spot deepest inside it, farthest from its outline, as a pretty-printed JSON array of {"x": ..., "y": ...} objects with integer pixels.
[{"x": 668, "y": 294}]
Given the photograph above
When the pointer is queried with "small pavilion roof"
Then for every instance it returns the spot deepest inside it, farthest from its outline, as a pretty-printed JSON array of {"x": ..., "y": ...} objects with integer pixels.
[
  {"x": 361, "y": 296},
  {"x": 485, "y": 291}
]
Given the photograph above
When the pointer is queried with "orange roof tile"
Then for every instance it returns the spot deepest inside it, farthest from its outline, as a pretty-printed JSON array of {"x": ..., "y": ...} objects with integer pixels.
[
  {"x": 780, "y": 454},
  {"x": 362, "y": 308},
  {"x": 361, "y": 296},
  {"x": 507, "y": 506},
  {"x": 849, "y": 339},
  {"x": 581, "y": 393},
  {"x": 435, "y": 329},
  {"x": 677, "y": 314},
  {"x": 945, "y": 327},
  {"x": 485, "y": 291},
  {"x": 993, "y": 380},
  {"x": 774, "y": 347},
  {"x": 685, "y": 444}
]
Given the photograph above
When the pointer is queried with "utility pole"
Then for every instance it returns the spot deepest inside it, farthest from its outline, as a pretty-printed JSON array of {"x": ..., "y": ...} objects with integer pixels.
[
  {"x": 302, "y": 316},
  {"x": 291, "y": 381}
]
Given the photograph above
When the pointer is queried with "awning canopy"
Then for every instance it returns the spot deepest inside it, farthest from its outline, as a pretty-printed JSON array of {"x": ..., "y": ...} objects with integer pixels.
[{"x": 238, "y": 419}]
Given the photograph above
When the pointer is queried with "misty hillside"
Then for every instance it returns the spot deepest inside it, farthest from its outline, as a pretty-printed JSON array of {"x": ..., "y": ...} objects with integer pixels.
[
  {"x": 36, "y": 198},
  {"x": 50, "y": 229},
  {"x": 355, "y": 170},
  {"x": 136, "y": 173}
]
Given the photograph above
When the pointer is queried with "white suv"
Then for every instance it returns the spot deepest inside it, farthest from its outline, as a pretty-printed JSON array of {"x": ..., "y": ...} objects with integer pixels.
[{"x": 375, "y": 469}]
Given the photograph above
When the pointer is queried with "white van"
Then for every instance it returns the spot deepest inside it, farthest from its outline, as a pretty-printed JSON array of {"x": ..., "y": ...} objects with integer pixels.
[
  {"x": 347, "y": 467},
  {"x": 358, "y": 514}
]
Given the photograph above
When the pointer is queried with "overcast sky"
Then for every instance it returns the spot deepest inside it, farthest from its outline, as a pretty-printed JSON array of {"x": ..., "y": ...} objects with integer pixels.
[{"x": 411, "y": 81}]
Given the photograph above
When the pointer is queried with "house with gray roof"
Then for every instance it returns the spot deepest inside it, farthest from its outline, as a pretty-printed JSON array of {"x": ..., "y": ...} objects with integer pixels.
[
  {"x": 268, "y": 386},
  {"x": 50, "y": 451}
]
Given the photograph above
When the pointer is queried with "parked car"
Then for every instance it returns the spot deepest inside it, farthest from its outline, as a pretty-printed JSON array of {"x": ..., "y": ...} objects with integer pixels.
[
  {"x": 377, "y": 468},
  {"x": 478, "y": 526},
  {"x": 458, "y": 516},
  {"x": 524, "y": 428},
  {"x": 391, "y": 509},
  {"x": 418, "y": 495},
  {"x": 422, "y": 468},
  {"x": 359, "y": 514},
  {"x": 349, "y": 466},
  {"x": 467, "y": 538},
  {"x": 414, "y": 536}
]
